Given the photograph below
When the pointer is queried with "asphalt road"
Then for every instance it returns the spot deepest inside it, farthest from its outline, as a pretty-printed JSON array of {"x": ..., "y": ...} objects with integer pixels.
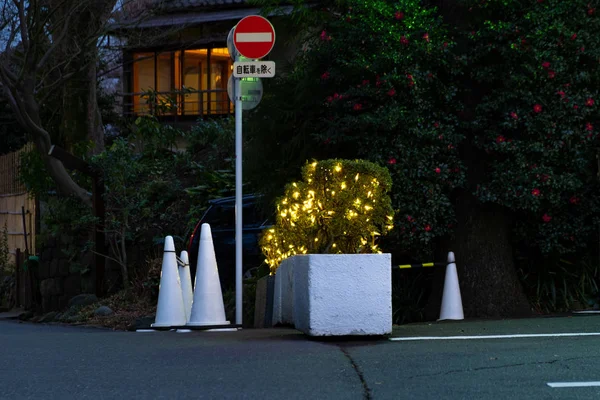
[{"x": 58, "y": 362}]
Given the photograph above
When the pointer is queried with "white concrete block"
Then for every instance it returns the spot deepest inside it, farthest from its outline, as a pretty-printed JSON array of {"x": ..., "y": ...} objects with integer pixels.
[
  {"x": 283, "y": 296},
  {"x": 342, "y": 294}
]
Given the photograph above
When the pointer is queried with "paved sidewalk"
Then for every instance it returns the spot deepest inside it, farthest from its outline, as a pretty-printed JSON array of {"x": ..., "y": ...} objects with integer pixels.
[{"x": 14, "y": 313}]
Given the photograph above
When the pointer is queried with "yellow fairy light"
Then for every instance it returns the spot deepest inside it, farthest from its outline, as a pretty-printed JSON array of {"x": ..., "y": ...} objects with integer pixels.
[
  {"x": 356, "y": 178},
  {"x": 338, "y": 168},
  {"x": 367, "y": 208},
  {"x": 334, "y": 245},
  {"x": 316, "y": 239},
  {"x": 343, "y": 185},
  {"x": 313, "y": 164},
  {"x": 296, "y": 194}
]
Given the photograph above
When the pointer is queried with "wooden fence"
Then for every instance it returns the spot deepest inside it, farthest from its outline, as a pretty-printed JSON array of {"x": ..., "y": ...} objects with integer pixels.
[{"x": 17, "y": 209}]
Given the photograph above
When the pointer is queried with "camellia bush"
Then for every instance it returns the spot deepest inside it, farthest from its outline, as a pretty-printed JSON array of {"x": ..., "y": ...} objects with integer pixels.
[
  {"x": 538, "y": 117},
  {"x": 340, "y": 206},
  {"x": 372, "y": 83}
]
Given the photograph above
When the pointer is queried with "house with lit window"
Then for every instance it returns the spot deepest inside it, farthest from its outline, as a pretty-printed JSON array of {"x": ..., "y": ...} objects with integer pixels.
[{"x": 175, "y": 62}]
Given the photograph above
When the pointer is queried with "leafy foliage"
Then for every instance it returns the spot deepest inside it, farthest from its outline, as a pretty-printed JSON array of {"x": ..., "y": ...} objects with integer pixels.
[
  {"x": 340, "y": 206},
  {"x": 537, "y": 120},
  {"x": 377, "y": 83}
]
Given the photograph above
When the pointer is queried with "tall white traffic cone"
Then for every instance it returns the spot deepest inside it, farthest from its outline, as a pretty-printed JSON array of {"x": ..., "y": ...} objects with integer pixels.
[
  {"x": 170, "y": 310},
  {"x": 186, "y": 284},
  {"x": 451, "y": 299},
  {"x": 207, "y": 308}
]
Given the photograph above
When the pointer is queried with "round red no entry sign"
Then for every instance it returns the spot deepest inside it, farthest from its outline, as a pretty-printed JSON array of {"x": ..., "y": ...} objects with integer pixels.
[{"x": 254, "y": 37}]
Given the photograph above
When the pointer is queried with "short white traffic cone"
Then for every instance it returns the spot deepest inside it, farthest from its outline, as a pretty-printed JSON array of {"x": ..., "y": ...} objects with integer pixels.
[
  {"x": 186, "y": 284},
  {"x": 169, "y": 311},
  {"x": 207, "y": 308},
  {"x": 451, "y": 299}
]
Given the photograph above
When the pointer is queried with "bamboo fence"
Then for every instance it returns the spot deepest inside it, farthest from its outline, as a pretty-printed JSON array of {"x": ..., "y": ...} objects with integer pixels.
[{"x": 17, "y": 208}]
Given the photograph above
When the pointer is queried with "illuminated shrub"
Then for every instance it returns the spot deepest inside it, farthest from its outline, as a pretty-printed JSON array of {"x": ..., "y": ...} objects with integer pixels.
[{"x": 340, "y": 206}]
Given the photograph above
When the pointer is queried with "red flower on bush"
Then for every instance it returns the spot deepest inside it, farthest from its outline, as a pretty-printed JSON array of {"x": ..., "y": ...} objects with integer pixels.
[
  {"x": 561, "y": 93},
  {"x": 336, "y": 96},
  {"x": 399, "y": 15},
  {"x": 546, "y": 218},
  {"x": 324, "y": 36},
  {"x": 589, "y": 102},
  {"x": 537, "y": 108},
  {"x": 438, "y": 170},
  {"x": 392, "y": 161},
  {"x": 365, "y": 82},
  {"x": 545, "y": 65},
  {"x": 325, "y": 75},
  {"x": 591, "y": 11},
  {"x": 514, "y": 115},
  {"x": 409, "y": 218},
  {"x": 500, "y": 139},
  {"x": 391, "y": 92},
  {"x": 574, "y": 200},
  {"x": 589, "y": 127},
  {"x": 574, "y": 36},
  {"x": 551, "y": 74},
  {"x": 436, "y": 124},
  {"x": 411, "y": 82},
  {"x": 329, "y": 99},
  {"x": 357, "y": 107},
  {"x": 426, "y": 37},
  {"x": 404, "y": 40},
  {"x": 535, "y": 192},
  {"x": 575, "y": 106},
  {"x": 445, "y": 44},
  {"x": 427, "y": 228}
]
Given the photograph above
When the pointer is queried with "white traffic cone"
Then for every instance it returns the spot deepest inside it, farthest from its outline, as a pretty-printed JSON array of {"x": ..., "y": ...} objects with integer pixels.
[
  {"x": 207, "y": 308},
  {"x": 451, "y": 299},
  {"x": 169, "y": 311},
  {"x": 186, "y": 284}
]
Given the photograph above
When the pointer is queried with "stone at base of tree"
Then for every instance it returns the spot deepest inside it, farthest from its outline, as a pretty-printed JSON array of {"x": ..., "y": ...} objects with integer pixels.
[
  {"x": 103, "y": 311},
  {"x": 141, "y": 323},
  {"x": 26, "y": 315},
  {"x": 83, "y": 300},
  {"x": 48, "y": 317}
]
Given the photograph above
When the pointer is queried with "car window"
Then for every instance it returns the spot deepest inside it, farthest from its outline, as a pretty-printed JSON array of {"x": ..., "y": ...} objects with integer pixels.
[{"x": 222, "y": 216}]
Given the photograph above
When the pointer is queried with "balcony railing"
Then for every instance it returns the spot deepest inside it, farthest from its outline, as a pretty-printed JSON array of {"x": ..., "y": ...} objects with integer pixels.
[{"x": 178, "y": 103}]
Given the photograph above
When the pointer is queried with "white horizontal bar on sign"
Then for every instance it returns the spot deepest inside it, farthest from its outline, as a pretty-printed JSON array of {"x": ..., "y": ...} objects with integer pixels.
[
  {"x": 254, "y": 69},
  {"x": 572, "y": 384},
  {"x": 254, "y": 37}
]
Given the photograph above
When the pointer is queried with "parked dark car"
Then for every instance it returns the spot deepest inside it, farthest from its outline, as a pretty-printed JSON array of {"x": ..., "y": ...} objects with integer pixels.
[{"x": 221, "y": 218}]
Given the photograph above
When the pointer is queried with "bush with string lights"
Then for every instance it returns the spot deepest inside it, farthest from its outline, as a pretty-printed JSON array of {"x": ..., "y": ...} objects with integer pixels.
[{"x": 340, "y": 206}]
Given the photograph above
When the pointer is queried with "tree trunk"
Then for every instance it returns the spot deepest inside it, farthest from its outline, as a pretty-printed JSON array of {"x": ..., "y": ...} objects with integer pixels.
[
  {"x": 95, "y": 127},
  {"x": 488, "y": 279}
]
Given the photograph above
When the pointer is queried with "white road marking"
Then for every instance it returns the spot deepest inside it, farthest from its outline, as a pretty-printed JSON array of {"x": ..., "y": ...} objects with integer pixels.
[
  {"x": 493, "y": 336},
  {"x": 572, "y": 384},
  {"x": 254, "y": 37}
]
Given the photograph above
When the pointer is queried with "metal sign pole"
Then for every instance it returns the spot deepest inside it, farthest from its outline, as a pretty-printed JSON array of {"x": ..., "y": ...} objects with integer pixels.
[{"x": 238, "y": 199}]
